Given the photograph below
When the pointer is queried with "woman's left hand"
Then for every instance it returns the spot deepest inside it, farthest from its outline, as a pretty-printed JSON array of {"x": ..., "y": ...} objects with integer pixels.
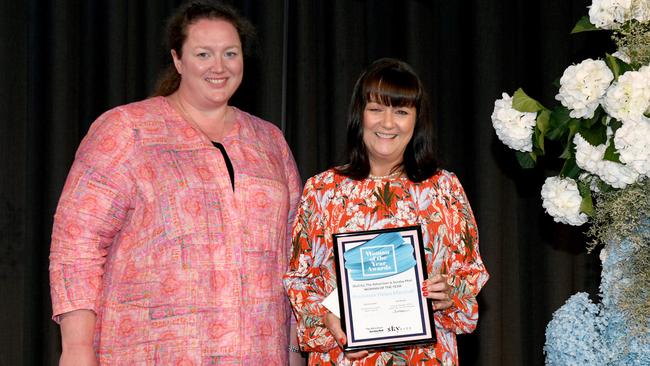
[{"x": 437, "y": 289}]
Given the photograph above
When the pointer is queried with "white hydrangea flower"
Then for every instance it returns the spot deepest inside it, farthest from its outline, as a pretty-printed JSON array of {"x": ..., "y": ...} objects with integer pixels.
[
  {"x": 561, "y": 199},
  {"x": 617, "y": 175},
  {"x": 590, "y": 159},
  {"x": 632, "y": 141},
  {"x": 609, "y": 14},
  {"x": 582, "y": 87},
  {"x": 629, "y": 96},
  {"x": 514, "y": 128},
  {"x": 641, "y": 10}
]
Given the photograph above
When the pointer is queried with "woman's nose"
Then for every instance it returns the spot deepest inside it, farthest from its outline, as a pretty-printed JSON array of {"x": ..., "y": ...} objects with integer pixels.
[
  {"x": 387, "y": 119},
  {"x": 217, "y": 65}
]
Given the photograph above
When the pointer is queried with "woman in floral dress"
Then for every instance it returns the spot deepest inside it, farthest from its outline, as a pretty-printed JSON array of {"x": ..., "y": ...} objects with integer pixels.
[{"x": 391, "y": 179}]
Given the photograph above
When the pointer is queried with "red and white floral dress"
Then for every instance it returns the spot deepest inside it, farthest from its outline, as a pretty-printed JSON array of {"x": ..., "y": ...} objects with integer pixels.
[{"x": 332, "y": 203}]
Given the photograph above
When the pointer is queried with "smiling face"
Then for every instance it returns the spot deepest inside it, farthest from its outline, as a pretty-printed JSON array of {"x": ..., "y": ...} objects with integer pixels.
[
  {"x": 386, "y": 132},
  {"x": 212, "y": 63}
]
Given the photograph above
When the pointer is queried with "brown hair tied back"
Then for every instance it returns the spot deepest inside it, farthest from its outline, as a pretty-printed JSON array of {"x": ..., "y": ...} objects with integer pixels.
[{"x": 189, "y": 13}]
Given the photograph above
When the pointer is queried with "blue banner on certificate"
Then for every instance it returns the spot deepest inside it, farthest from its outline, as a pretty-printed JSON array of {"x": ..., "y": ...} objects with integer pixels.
[{"x": 380, "y": 275}]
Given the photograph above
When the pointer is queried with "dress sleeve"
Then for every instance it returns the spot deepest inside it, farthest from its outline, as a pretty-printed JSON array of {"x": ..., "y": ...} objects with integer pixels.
[
  {"x": 91, "y": 210},
  {"x": 304, "y": 280},
  {"x": 466, "y": 271}
]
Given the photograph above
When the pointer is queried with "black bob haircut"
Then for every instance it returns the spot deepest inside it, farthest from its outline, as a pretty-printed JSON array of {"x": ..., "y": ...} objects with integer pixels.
[{"x": 393, "y": 83}]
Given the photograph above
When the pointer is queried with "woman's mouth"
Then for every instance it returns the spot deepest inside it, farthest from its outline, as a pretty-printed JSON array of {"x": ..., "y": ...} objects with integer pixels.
[{"x": 385, "y": 135}]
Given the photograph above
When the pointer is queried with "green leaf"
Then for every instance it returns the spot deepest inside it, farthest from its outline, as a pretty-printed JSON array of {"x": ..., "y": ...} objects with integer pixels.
[
  {"x": 583, "y": 25},
  {"x": 526, "y": 160},
  {"x": 593, "y": 120},
  {"x": 541, "y": 126},
  {"x": 614, "y": 124},
  {"x": 617, "y": 66},
  {"x": 543, "y": 121},
  {"x": 596, "y": 134},
  {"x": 586, "y": 205},
  {"x": 558, "y": 123},
  {"x": 611, "y": 154},
  {"x": 572, "y": 128},
  {"x": 570, "y": 168},
  {"x": 566, "y": 153},
  {"x": 538, "y": 142},
  {"x": 524, "y": 103},
  {"x": 604, "y": 187}
]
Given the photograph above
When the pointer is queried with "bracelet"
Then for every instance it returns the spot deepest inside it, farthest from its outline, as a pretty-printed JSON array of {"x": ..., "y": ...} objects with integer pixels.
[{"x": 294, "y": 348}]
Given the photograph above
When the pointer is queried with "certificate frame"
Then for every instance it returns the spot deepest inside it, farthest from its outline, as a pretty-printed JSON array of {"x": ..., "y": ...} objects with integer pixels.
[{"x": 381, "y": 303}]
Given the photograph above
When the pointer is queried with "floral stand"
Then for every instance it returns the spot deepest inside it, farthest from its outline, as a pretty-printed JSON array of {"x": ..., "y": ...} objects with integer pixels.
[
  {"x": 584, "y": 333},
  {"x": 603, "y": 126}
]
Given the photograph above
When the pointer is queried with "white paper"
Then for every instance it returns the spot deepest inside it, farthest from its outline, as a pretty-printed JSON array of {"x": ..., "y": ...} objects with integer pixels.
[
  {"x": 386, "y": 307},
  {"x": 331, "y": 302}
]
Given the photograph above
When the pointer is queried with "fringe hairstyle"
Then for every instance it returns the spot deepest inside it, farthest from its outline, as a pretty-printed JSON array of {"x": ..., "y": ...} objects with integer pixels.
[{"x": 393, "y": 83}]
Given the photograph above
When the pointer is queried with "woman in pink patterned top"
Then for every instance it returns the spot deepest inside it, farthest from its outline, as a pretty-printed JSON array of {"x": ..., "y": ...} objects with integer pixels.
[
  {"x": 390, "y": 180},
  {"x": 172, "y": 232}
]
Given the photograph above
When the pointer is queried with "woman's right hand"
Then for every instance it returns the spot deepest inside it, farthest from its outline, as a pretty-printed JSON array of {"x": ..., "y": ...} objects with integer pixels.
[{"x": 333, "y": 323}]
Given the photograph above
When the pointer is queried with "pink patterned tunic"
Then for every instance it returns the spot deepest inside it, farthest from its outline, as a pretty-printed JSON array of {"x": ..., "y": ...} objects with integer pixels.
[{"x": 149, "y": 235}]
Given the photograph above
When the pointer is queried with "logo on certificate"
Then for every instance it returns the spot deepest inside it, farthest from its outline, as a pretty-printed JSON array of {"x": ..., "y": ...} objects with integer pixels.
[
  {"x": 378, "y": 261},
  {"x": 385, "y": 255}
]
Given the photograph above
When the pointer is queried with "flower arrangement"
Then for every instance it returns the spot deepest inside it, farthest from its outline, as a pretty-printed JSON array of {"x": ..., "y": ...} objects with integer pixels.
[
  {"x": 602, "y": 124},
  {"x": 603, "y": 120}
]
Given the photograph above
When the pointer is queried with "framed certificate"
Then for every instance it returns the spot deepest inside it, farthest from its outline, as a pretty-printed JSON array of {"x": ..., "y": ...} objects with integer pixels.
[{"x": 380, "y": 275}]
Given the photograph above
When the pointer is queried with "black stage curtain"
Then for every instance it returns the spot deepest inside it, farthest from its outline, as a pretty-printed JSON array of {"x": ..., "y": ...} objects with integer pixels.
[{"x": 65, "y": 62}]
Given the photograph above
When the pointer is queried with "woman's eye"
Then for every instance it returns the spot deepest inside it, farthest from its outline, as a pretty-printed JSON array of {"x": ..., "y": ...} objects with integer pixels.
[
  {"x": 402, "y": 112},
  {"x": 373, "y": 108},
  {"x": 231, "y": 54},
  {"x": 202, "y": 55}
]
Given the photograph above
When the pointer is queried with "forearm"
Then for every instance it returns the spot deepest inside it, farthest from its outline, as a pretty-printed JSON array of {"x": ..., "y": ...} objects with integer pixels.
[
  {"x": 296, "y": 358},
  {"x": 77, "y": 329}
]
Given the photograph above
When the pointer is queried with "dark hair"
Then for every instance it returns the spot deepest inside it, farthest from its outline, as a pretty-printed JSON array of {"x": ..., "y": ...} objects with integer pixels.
[
  {"x": 186, "y": 15},
  {"x": 393, "y": 83}
]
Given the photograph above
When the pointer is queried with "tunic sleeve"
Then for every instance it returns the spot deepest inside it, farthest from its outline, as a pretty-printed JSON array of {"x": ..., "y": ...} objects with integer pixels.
[
  {"x": 92, "y": 207},
  {"x": 295, "y": 187},
  {"x": 467, "y": 274},
  {"x": 304, "y": 280}
]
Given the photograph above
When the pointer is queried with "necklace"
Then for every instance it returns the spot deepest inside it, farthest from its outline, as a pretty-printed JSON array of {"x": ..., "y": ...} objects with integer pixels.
[
  {"x": 188, "y": 117},
  {"x": 388, "y": 176}
]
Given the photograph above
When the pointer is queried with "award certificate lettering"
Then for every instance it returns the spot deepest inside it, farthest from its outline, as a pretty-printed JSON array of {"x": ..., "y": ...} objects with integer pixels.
[{"x": 380, "y": 275}]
